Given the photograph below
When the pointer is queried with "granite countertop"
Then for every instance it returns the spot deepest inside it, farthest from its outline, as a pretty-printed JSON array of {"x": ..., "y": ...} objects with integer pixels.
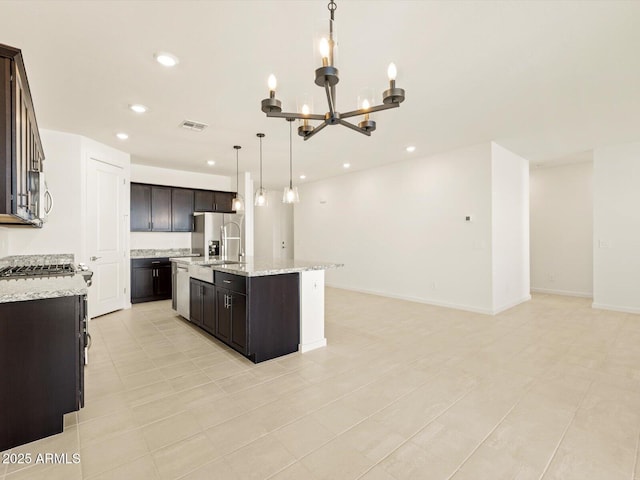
[
  {"x": 18, "y": 290},
  {"x": 256, "y": 267},
  {"x": 34, "y": 288},
  {"x": 159, "y": 252}
]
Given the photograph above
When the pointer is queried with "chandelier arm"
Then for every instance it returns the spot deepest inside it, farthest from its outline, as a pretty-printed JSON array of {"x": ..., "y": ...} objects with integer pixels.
[
  {"x": 353, "y": 127},
  {"x": 376, "y": 108},
  {"x": 295, "y": 116},
  {"x": 328, "y": 89},
  {"x": 315, "y": 130}
]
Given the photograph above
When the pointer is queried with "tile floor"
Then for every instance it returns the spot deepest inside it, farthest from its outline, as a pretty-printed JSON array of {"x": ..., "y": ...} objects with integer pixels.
[{"x": 547, "y": 390}]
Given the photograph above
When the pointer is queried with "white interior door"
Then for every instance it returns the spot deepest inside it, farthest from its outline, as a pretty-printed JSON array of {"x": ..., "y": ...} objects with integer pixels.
[
  {"x": 105, "y": 236},
  {"x": 286, "y": 232}
]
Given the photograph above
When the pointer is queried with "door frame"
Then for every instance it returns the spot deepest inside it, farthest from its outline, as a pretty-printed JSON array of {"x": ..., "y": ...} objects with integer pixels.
[{"x": 92, "y": 150}]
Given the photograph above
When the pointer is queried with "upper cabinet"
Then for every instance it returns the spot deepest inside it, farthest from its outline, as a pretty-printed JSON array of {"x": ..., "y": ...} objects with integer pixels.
[
  {"x": 21, "y": 153},
  {"x": 156, "y": 208},
  {"x": 208, "y": 201},
  {"x": 181, "y": 210}
]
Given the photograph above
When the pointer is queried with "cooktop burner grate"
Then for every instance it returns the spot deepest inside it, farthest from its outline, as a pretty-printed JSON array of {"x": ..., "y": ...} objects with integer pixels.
[{"x": 51, "y": 270}]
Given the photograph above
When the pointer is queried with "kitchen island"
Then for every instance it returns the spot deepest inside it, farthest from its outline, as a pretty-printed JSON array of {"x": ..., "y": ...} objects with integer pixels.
[{"x": 284, "y": 301}]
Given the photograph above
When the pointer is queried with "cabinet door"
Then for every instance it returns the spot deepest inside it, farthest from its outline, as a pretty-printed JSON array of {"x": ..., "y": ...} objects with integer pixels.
[
  {"x": 239, "y": 322},
  {"x": 161, "y": 209},
  {"x": 223, "y": 315},
  {"x": 142, "y": 280},
  {"x": 140, "y": 208},
  {"x": 21, "y": 148},
  {"x": 204, "y": 201},
  {"x": 6, "y": 204},
  {"x": 181, "y": 210},
  {"x": 223, "y": 202},
  {"x": 163, "y": 281},
  {"x": 195, "y": 301},
  {"x": 208, "y": 307}
]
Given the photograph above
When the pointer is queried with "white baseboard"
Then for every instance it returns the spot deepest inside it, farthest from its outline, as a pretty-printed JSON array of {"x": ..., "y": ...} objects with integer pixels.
[
  {"x": 312, "y": 346},
  {"x": 507, "y": 306},
  {"x": 615, "y": 308},
  {"x": 567, "y": 293}
]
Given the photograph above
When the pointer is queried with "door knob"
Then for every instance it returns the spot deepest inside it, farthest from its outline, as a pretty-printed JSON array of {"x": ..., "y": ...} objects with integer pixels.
[{"x": 93, "y": 259}]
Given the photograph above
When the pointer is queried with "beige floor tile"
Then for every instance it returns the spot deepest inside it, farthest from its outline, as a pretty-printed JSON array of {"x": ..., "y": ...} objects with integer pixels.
[
  {"x": 377, "y": 473},
  {"x": 182, "y": 457},
  {"x": 303, "y": 436},
  {"x": 100, "y": 457},
  {"x": 216, "y": 470},
  {"x": 336, "y": 459},
  {"x": 412, "y": 462},
  {"x": 295, "y": 471},
  {"x": 101, "y": 428},
  {"x": 574, "y": 464},
  {"x": 170, "y": 430},
  {"x": 142, "y": 468},
  {"x": 214, "y": 412},
  {"x": 372, "y": 439},
  {"x": 231, "y": 435},
  {"x": 188, "y": 381},
  {"x": 260, "y": 459},
  {"x": 338, "y": 416},
  {"x": 46, "y": 471}
]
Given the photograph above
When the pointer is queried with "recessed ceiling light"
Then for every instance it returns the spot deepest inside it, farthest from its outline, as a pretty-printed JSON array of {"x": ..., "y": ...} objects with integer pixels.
[
  {"x": 302, "y": 177},
  {"x": 411, "y": 149},
  {"x": 122, "y": 136},
  {"x": 166, "y": 59},
  {"x": 136, "y": 107},
  {"x": 346, "y": 165},
  {"x": 211, "y": 162}
]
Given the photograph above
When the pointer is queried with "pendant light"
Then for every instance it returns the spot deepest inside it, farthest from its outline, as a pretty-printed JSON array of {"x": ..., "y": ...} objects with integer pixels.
[
  {"x": 290, "y": 194},
  {"x": 261, "y": 193},
  {"x": 237, "y": 203}
]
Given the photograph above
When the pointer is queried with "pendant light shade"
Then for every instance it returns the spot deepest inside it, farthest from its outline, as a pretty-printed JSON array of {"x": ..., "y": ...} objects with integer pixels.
[
  {"x": 290, "y": 194},
  {"x": 261, "y": 194},
  {"x": 237, "y": 204}
]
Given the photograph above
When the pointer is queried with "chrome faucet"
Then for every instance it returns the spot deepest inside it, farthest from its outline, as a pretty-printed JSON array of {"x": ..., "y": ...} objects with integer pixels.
[{"x": 225, "y": 239}]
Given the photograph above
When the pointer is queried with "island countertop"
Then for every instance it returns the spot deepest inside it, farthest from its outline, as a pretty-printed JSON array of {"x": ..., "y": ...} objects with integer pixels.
[{"x": 257, "y": 267}]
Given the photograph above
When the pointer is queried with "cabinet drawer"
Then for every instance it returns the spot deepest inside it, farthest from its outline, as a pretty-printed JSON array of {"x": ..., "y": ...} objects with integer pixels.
[
  {"x": 236, "y": 283},
  {"x": 150, "y": 262}
]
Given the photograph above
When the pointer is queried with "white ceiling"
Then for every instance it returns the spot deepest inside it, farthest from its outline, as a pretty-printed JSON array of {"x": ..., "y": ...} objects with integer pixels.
[{"x": 546, "y": 79}]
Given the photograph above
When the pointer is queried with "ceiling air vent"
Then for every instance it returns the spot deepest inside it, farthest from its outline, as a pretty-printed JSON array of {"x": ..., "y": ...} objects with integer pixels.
[{"x": 195, "y": 126}]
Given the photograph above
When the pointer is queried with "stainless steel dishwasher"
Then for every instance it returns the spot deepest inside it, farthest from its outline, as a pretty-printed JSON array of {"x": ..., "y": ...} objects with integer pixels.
[{"x": 182, "y": 290}]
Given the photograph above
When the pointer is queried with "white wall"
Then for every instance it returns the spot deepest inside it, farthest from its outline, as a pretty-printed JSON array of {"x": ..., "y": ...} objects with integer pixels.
[
  {"x": 400, "y": 229},
  {"x": 510, "y": 225},
  {"x": 63, "y": 231},
  {"x": 273, "y": 224},
  {"x": 562, "y": 229},
  {"x": 176, "y": 178},
  {"x": 616, "y": 228}
]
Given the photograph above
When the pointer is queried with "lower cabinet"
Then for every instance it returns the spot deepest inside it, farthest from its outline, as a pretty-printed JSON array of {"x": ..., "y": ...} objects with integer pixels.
[
  {"x": 231, "y": 318},
  {"x": 202, "y": 304},
  {"x": 256, "y": 316},
  {"x": 41, "y": 366},
  {"x": 150, "y": 279}
]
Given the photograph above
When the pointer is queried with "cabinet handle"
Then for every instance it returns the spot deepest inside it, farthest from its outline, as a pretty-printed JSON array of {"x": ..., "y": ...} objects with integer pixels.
[
  {"x": 156, "y": 261},
  {"x": 226, "y": 281},
  {"x": 151, "y": 225}
]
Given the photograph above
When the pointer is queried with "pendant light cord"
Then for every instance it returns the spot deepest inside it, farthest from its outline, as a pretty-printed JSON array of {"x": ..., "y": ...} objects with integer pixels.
[
  {"x": 290, "y": 157},
  {"x": 237, "y": 174},
  {"x": 260, "y": 165}
]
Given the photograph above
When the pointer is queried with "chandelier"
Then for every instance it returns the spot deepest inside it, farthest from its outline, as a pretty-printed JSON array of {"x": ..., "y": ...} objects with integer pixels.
[{"x": 327, "y": 78}]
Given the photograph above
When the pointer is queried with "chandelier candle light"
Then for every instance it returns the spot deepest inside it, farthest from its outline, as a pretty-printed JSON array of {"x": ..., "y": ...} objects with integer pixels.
[
  {"x": 290, "y": 194},
  {"x": 261, "y": 193},
  {"x": 327, "y": 77},
  {"x": 237, "y": 204}
]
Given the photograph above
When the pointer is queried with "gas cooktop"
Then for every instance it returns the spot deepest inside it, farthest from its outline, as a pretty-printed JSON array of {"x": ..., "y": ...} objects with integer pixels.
[{"x": 25, "y": 271}]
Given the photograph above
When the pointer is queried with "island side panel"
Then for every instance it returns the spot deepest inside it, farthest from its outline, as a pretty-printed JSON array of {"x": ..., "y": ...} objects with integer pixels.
[
  {"x": 274, "y": 316},
  {"x": 312, "y": 310}
]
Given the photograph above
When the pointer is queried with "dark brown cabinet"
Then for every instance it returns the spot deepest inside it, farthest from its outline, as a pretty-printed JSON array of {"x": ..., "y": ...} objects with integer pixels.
[
  {"x": 41, "y": 366},
  {"x": 202, "y": 304},
  {"x": 150, "y": 208},
  {"x": 213, "y": 201},
  {"x": 181, "y": 210},
  {"x": 21, "y": 153},
  {"x": 156, "y": 208},
  {"x": 258, "y": 316},
  {"x": 150, "y": 279},
  {"x": 140, "y": 207}
]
